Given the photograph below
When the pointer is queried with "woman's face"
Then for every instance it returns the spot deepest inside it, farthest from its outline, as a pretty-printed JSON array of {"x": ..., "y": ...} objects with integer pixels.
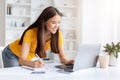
[{"x": 53, "y": 24}]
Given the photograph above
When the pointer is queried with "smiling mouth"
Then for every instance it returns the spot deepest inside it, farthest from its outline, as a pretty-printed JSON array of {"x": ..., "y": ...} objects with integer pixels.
[{"x": 54, "y": 29}]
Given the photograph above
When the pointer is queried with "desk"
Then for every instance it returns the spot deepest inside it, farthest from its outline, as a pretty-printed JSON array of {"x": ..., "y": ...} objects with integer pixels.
[{"x": 18, "y": 73}]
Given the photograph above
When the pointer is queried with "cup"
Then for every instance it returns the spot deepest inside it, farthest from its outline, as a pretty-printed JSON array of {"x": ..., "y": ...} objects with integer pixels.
[{"x": 103, "y": 60}]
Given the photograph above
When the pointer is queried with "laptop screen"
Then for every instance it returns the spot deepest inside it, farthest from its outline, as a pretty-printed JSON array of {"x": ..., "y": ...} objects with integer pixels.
[{"x": 86, "y": 56}]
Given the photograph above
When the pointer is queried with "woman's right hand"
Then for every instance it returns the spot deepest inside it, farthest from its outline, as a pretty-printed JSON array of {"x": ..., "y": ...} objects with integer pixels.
[{"x": 37, "y": 64}]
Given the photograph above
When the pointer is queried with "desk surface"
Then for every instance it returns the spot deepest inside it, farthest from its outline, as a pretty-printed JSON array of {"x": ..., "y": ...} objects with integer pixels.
[{"x": 18, "y": 73}]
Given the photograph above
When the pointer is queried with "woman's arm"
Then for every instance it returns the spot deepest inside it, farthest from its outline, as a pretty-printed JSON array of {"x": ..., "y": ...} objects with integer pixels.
[
  {"x": 63, "y": 58},
  {"x": 23, "y": 57}
]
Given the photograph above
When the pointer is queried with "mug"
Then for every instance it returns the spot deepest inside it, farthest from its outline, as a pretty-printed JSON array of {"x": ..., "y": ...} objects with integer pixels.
[{"x": 103, "y": 60}]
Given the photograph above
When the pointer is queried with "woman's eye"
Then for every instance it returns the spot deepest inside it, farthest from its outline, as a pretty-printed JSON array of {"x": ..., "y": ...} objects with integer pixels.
[{"x": 53, "y": 22}]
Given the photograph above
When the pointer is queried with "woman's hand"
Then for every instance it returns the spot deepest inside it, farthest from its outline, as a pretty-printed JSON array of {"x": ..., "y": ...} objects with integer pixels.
[
  {"x": 37, "y": 64},
  {"x": 69, "y": 61}
]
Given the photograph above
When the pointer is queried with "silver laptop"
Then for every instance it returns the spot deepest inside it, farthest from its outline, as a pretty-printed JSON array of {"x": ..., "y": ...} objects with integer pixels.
[{"x": 86, "y": 57}]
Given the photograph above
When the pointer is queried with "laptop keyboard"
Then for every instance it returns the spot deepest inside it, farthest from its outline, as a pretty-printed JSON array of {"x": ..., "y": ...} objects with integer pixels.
[
  {"x": 66, "y": 68},
  {"x": 70, "y": 66}
]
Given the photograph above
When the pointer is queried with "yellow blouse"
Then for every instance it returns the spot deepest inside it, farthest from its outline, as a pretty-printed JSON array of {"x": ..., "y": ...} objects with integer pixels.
[{"x": 30, "y": 37}]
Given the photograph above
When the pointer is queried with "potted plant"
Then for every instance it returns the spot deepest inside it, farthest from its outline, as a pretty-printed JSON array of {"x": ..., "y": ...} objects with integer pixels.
[{"x": 113, "y": 50}]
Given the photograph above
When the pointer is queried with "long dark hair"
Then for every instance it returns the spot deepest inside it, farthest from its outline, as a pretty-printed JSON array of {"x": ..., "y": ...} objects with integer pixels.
[{"x": 47, "y": 13}]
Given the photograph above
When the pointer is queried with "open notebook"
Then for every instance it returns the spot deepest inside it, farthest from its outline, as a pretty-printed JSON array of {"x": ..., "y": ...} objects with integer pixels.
[{"x": 35, "y": 70}]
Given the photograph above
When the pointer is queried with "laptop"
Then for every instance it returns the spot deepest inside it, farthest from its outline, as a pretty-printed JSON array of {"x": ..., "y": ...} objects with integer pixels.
[{"x": 86, "y": 57}]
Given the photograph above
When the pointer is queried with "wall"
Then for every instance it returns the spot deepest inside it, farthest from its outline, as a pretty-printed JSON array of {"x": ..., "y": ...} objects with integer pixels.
[
  {"x": 90, "y": 30},
  {"x": 2, "y": 11},
  {"x": 100, "y": 21}
]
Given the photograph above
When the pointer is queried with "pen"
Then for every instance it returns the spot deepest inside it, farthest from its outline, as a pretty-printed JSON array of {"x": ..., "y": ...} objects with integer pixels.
[
  {"x": 38, "y": 72},
  {"x": 38, "y": 57}
]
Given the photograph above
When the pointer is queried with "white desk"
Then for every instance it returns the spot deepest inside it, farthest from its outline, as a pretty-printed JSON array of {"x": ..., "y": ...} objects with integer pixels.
[{"x": 18, "y": 73}]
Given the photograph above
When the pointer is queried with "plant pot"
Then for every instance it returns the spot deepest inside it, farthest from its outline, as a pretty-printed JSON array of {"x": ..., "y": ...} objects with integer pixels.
[{"x": 114, "y": 61}]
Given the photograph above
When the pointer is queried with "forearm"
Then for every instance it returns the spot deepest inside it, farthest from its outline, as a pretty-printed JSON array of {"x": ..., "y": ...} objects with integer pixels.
[
  {"x": 63, "y": 58},
  {"x": 23, "y": 55},
  {"x": 25, "y": 62}
]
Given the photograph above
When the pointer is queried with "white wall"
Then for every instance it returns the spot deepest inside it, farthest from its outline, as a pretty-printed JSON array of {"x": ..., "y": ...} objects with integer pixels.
[
  {"x": 2, "y": 23},
  {"x": 89, "y": 22},
  {"x": 100, "y": 21}
]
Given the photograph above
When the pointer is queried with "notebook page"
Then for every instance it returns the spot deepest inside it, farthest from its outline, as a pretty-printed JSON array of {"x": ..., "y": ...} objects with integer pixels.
[{"x": 35, "y": 70}]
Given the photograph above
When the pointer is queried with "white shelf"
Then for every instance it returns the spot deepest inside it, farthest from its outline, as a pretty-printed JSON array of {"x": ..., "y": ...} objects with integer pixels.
[
  {"x": 68, "y": 18},
  {"x": 39, "y": 9},
  {"x": 16, "y": 28},
  {"x": 19, "y": 4},
  {"x": 66, "y": 6},
  {"x": 71, "y": 40},
  {"x": 18, "y": 16}
]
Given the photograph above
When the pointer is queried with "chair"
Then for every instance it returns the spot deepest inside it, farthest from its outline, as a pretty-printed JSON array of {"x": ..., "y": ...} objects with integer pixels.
[{"x": 1, "y": 61}]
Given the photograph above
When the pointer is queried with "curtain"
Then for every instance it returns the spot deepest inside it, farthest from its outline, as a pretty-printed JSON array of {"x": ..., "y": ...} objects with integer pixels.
[{"x": 100, "y": 21}]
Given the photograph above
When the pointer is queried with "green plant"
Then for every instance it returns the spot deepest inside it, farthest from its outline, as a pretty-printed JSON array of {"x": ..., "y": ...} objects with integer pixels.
[{"x": 112, "y": 49}]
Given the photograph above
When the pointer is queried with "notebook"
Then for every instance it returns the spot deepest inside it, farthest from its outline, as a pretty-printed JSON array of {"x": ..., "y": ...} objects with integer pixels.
[
  {"x": 86, "y": 57},
  {"x": 35, "y": 70}
]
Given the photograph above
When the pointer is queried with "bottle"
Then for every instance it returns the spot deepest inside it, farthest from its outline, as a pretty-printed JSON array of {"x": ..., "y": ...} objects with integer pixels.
[
  {"x": 15, "y": 24},
  {"x": 9, "y": 8},
  {"x": 23, "y": 24}
]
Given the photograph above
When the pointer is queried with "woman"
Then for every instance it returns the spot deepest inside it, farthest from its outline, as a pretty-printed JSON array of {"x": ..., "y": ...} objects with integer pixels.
[{"x": 42, "y": 35}]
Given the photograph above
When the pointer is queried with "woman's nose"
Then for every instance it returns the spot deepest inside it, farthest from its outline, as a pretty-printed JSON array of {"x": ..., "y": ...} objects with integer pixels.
[{"x": 56, "y": 25}]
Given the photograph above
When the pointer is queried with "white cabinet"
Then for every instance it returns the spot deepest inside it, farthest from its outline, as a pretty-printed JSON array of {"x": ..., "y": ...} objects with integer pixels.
[
  {"x": 17, "y": 15},
  {"x": 38, "y": 6},
  {"x": 69, "y": 24}
]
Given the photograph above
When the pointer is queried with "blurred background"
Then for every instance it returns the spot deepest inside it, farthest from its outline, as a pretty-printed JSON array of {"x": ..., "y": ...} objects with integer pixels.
[{"x": 84, "y": 21}]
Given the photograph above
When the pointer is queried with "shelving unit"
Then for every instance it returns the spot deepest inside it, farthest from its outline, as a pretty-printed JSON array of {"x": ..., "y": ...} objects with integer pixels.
[
  {"x": 17, "y": 18},
  {"x": 69, "y": 24},
  {"x": 37, "y": 6},
  {"x": 17, "y": 15}
]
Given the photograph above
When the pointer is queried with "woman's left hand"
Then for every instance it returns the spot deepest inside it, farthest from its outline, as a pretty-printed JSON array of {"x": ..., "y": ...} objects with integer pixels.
[{"x": 69, "y": 61}]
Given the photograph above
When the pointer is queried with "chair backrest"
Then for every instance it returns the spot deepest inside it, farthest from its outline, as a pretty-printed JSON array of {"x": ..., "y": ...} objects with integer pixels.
[{"x": 1, "y": 60}]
